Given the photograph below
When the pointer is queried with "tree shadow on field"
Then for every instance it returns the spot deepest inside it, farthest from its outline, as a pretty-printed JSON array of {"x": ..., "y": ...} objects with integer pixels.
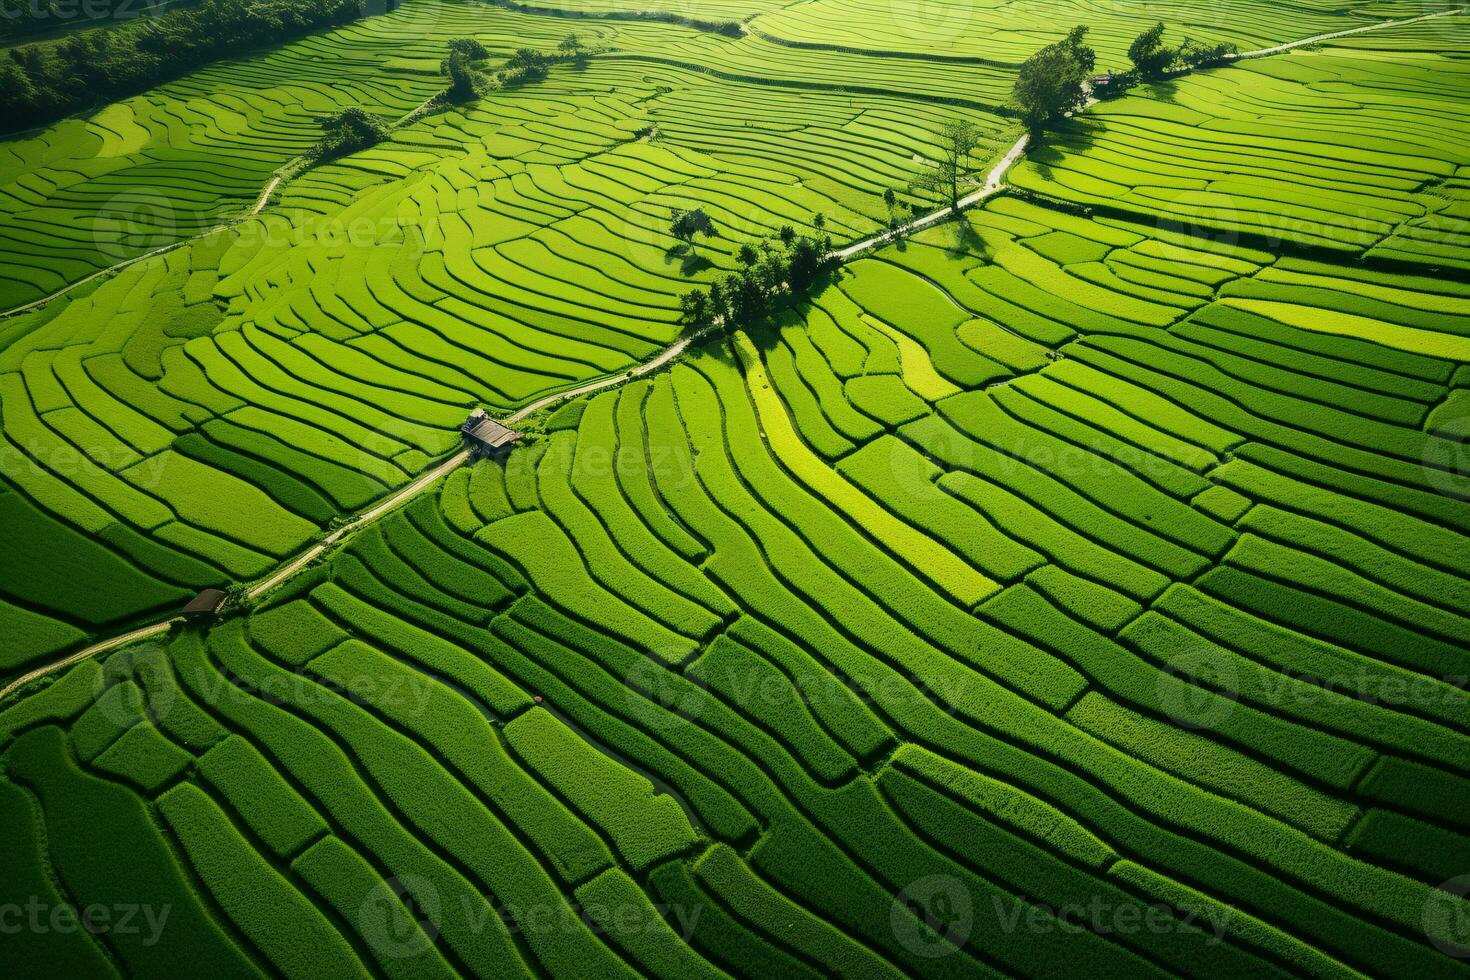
[
  {"x": 766, "y": 332},
  {"x": 1165, "y": 90},
  {"x": 690, "y": 260},
  {"x": 1077, "y": 135},
  {"x": 965, "y": 241}
]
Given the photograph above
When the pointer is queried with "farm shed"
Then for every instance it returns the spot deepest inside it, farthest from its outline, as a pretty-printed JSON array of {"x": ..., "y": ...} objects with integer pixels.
[
  {"x": 486, "y": 437},
  {"x": 205, "y": 605}
]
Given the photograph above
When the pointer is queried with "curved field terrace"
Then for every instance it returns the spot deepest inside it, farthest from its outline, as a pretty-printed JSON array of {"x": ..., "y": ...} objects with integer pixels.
[{"x": 829, "y": 580}]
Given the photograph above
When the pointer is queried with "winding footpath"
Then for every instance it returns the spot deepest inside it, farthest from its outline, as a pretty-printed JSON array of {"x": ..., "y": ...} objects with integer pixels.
[
  {"x": 259, "y": 206},
  {"x": 994, "y": 182}
]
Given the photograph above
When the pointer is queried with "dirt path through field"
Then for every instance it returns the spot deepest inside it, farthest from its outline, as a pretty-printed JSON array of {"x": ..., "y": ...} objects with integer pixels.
[
  {"x": 993, "y": 182},
  {"x": 1291, "y": 45}
]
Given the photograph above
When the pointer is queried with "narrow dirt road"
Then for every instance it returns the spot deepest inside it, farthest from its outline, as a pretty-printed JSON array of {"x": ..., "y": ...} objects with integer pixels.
[
  {"x": 994, "y": 180},
  {"x": 141, "y": 633},
  {"x": 1367, "y": 28},
  {"x": 260, "y": 203}
]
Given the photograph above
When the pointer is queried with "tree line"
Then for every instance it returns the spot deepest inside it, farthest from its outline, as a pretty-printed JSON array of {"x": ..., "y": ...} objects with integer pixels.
[
  {"x": 45, "y": 81},
  {"x": 1056, "y": 81},
  {"x": 771, "y": 270}
]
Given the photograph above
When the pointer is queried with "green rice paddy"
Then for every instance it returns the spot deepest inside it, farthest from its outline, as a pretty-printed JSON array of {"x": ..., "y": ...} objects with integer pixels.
[{"x": 1077, "y": 587}]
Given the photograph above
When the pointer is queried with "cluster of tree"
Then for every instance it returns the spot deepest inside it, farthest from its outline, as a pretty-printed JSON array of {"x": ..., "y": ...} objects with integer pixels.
[
  {"x": 1192, "y": 54},
  {"x": 348, "y": 131},
  {"x": 461, "y": 68},
  {"x": 1152, "y": 58},
  {"x": 21, "y": 19},
  {"x": 1053, "y": 82},
  {"x": 530, "y": 65},
  {"x": 45, "y": 81},
  {"x": 768, "y": 272}
]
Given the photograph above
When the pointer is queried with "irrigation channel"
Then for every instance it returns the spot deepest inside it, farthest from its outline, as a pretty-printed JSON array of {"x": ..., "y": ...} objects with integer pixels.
[{"x": 994, "y": 181}]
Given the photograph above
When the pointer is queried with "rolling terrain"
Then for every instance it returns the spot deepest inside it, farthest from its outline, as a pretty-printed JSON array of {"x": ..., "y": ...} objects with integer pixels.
[{"x": 1079, "y": 585}]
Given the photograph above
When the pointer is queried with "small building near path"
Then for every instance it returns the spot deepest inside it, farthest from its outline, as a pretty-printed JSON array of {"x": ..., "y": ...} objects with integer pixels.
[
  {"x": 206, "y": 605},
  {"x": 487, "y": 438}
]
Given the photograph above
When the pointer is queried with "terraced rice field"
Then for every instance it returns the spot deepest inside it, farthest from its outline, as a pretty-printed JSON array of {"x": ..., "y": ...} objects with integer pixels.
[{"x": 1079, "y": 587}]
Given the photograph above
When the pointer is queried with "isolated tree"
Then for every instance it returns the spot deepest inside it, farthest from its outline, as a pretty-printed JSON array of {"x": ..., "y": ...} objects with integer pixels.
[
  {"x": 747, "y": 255},
  {"x": 819, "y": 221},
  {"x": 1150, "y": 56},
  {"x": 695, "y": 305},
  {"x": 684, "y": 225},
  {"x": 1052, "y": 82},
  {"x": 787, "y": 234},
  {"x": 571, "y": 48},
  {"x": 943, "y": 176},
  {"x": 890, "y": 200}
]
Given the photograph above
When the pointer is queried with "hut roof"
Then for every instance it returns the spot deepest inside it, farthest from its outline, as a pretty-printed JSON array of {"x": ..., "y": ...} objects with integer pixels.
[
  {"x": 206, "y": 603},
  {"x": 482, "y": 429}
]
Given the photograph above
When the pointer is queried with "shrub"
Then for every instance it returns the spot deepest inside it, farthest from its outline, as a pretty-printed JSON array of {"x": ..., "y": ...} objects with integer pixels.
[{"x": 348, "y": 131}]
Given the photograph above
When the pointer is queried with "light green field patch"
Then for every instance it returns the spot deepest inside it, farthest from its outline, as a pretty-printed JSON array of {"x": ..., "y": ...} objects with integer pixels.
[{"x": 1410, "y": 339}]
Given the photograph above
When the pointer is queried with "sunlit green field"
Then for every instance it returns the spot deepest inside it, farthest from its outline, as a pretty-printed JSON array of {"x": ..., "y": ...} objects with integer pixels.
[{"x": 1077, "y": 587}]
